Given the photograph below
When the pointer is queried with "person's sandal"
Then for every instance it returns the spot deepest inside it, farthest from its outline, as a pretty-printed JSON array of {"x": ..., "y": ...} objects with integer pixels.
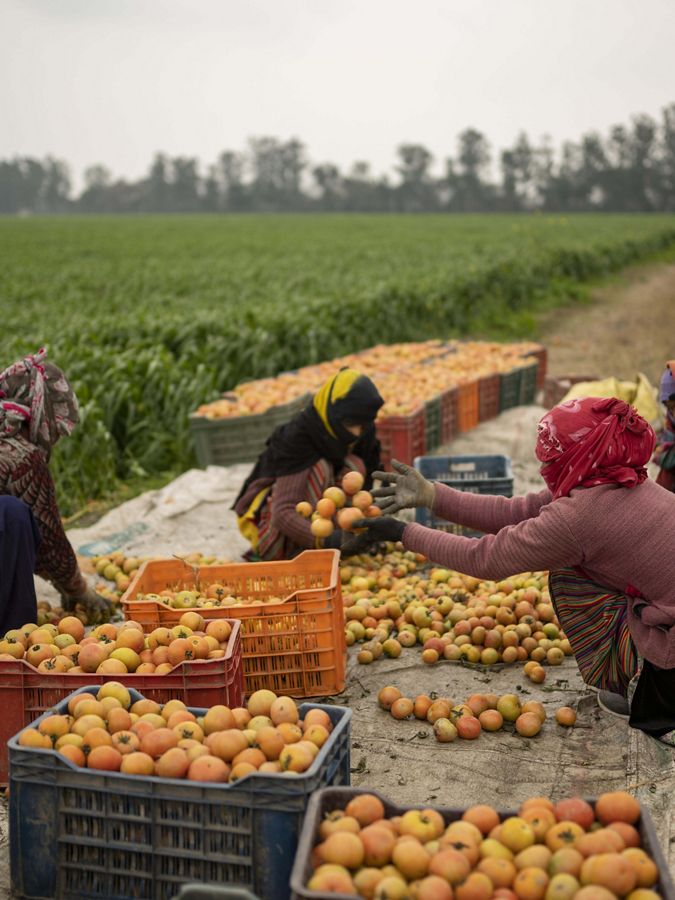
[{"x": 614, "y": 704}]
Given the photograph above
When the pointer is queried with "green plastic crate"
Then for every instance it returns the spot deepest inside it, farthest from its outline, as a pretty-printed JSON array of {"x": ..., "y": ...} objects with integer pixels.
[
  {"x": 509, "y": 389},
  {"x": 528, "y": 384},
  {"x": 223, "y": 442},
  {"x": 432, "y": 423}
]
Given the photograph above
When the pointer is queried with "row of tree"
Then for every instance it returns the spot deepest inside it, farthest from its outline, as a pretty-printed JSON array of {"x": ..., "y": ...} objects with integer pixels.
[{"x": 630, "y": 169}]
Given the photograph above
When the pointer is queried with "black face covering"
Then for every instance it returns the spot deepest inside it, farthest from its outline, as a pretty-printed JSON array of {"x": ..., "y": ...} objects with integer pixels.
[{"x": 305, "y": 439}]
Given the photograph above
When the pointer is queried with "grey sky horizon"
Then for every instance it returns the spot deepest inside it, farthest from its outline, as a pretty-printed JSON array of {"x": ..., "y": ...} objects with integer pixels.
[{"x": 114, "y": 81}]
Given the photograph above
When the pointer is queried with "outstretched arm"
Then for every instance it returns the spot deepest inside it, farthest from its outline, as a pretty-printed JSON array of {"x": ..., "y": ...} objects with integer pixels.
[
  {"x": 486, "y": 512},
  {"x": 407, "y": 488},
  {"x": 535, "y": 544}
]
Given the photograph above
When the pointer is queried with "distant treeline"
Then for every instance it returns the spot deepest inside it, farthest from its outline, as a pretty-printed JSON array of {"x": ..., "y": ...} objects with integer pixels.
[{"x": 631, "y": 169}]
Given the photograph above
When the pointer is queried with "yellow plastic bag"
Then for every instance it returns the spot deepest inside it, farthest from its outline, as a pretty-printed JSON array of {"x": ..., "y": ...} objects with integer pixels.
[{"x": 639, "y": 393}]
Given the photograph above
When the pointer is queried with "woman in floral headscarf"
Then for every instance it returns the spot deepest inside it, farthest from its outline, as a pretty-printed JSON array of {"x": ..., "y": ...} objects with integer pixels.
[
  {"x": 37, "y": 407},
  {"x": 600, "y": 527}
]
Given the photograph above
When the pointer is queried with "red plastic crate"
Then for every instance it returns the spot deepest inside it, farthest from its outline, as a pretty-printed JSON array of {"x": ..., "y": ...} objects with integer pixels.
[
  {"x": 488, "y": 397},
  {"x": 401, "y": 437},
  {"x": 449, "y": 411},
  {"x": 26, "y": 693},
  {"x": 556, "y": 386},
  {"x": 294, "y": 646},
  {"x": 541, "y": 355},
  {"x": 467, "y": 406}
]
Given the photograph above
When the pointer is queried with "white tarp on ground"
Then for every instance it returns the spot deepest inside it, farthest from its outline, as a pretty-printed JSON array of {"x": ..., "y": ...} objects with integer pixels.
[{"x": 190, "y": 513}]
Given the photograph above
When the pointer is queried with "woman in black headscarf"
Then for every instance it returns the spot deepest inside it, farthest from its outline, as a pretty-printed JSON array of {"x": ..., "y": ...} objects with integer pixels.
[{"x": 332, "y": 435}]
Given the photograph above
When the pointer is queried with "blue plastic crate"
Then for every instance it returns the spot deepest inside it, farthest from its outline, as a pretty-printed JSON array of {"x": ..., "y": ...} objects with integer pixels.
[
  {"x": 115, "y": 836},
  {"x": 477, "y": 474}
]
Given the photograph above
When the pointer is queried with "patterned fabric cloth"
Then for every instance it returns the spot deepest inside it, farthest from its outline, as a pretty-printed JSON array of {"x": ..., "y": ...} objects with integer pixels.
[
  {"x": 664, "y": 457},
  {"x": 592, "y": 441},
  {"x": 36, "y": 394},
  {"x": 24, "y": 474},
  {"x": 664, "y": 454},
  {"x": 667, "y": 385},
  {"x": 594, "y": 620}
]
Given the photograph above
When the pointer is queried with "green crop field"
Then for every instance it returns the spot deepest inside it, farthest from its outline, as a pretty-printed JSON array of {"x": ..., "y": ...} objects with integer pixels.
[{"x": 151, "y": 316}]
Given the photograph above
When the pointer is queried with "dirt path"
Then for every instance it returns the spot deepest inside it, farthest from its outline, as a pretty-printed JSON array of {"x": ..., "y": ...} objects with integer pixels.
[{"x": 628, "y": 326}]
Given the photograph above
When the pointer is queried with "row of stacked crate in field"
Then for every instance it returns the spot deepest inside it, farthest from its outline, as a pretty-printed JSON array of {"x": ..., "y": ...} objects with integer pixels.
[{"x": 432, "y": 390}]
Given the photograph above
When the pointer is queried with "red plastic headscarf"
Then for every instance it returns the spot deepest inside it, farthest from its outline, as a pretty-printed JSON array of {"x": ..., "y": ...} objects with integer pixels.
[{"x": 593, "y": 441}]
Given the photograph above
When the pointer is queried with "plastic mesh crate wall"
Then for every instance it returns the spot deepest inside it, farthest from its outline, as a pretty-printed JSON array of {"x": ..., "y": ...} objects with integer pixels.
[
  {"x": 222, "y": 442},
  {"x": 449, "y": 412},
  {"x": 329, "y": 799},
  {"x": 432, "y": 423},
  {"x": 509, "y": 389},
  {"x": 467, "y": 406},
  {"x": 488, "y": 397},
  {"x": 477, "y": 474},
  {"x": 528, "y": 384},
  {"x": 296, "y": 647},
  {"x": 401, "y": 437},
  {"x": 540, "y": 353},
  {"x": 115, "y": 836}
]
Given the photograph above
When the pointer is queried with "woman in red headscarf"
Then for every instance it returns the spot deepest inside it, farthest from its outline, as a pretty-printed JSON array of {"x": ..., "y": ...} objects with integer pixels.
[{"x": 600, "y": 527}]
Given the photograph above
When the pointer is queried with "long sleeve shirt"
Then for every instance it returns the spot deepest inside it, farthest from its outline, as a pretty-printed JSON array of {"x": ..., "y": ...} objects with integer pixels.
[
  {"x": 24, "y": 473},
  {"x": 620, "y": 537},
  {"x": 288, "y": 491}
]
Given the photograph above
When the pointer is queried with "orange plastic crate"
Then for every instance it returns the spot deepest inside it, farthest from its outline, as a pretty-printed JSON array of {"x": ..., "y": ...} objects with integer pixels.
[
  {"x": 296, "y": 647},
  {"x": 467, "y": 406},
  {"x": 26, "y": 693}
]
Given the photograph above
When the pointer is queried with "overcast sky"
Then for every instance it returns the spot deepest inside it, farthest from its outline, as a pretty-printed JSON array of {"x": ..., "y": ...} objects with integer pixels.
[{"x": 113, "y": 81}]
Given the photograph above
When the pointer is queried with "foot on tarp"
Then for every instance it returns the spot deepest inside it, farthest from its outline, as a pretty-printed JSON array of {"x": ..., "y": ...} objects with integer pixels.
[{"x": 614, "y": 704}]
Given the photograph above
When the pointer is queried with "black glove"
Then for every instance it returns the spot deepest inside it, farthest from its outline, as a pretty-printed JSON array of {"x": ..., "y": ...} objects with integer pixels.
[
  {"x": 378, "y": 530},
  {"x": 335, "y": 540},
  {"x": 98, "y": 609}
]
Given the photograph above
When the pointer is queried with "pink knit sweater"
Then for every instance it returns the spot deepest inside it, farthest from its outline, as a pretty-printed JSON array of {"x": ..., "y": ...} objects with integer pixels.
[{"x": 619, "y": 536}]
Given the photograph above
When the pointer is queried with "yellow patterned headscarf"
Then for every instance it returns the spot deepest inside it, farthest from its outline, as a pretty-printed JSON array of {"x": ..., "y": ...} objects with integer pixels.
[{"x": 336, "y": 388}]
